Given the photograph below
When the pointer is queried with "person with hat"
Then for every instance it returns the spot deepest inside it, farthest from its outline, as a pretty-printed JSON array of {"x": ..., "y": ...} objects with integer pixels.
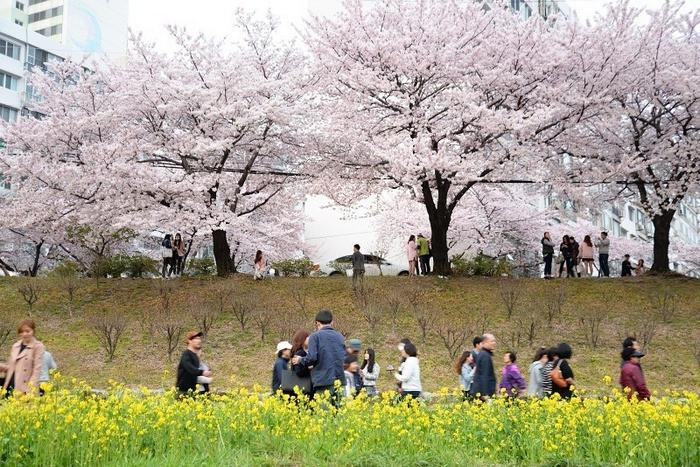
[
  {"x": 353, "y": 346},
  {"x": 632, "y": 377},
  {"x": 326, "y": 354},
  {"x": 284, "y": 353},
  {"x": 189, "y": 367}
]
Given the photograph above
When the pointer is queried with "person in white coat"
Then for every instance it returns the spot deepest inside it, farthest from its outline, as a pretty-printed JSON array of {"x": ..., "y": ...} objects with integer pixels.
[{"x": 410, "y": 372}]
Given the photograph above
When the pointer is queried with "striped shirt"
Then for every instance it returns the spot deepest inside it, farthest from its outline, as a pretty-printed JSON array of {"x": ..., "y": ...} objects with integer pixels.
[{"x": 547, "y": 378}]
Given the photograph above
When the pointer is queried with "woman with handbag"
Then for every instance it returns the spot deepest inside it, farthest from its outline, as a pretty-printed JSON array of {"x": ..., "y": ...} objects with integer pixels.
[
  {"x": 562, "y": 374},
  {"x": 26, "y": 360}
]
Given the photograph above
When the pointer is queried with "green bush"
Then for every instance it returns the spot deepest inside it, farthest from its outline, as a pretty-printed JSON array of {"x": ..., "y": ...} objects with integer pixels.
[
  {"x": 340, "y": 267},
  {"x": 66, "y": 269},
  {"x": 134, "y": 266},
  {"x": 480, "y": 265},
  {"x": 301, "y": 267},
  {"x": 202, "y": 266}
]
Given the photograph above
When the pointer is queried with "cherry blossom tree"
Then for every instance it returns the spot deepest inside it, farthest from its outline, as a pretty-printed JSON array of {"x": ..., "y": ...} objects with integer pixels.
[
  {"x": 432, "y": 97},
  {"x": 634, "y": 83},
  {"x": 209, "y": 138}
]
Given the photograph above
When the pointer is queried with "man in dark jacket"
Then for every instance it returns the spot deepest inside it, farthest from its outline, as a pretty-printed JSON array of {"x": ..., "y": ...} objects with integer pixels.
[
  {"x": 358, "y": 267},
  {"x": 188, "y": 369},
  {"x": 631, "y": 376},
  {"x": 484, "y": 380},
  {"x": 326, "y": 354}
]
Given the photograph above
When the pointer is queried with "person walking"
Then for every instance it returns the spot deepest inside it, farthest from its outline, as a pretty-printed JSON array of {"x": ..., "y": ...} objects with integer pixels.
[
  {"x": 630, "y": 343},
  {"x": 259, "y": 266},
  {"x": 535, "y": 384},
  {"x": 603, "y": 245},
  {"x": 476, "y": 347},
  {"x": 632, "y": 377},
  {"x": 284, "y": 354},
  {"x": 484, "y": 380},
  {"x": 587, "y": 256},
  {"x": 178, "y": 255},
  {"x": 512, "y": 381},
  {"x": 412, "y": 255},
  {"x": 48, "y": 364},
  {"x": 370, "y": 373},
  {"x": 358, "y": 268},
  {"x": 626, "y": 267},
  {"x": 409, "y": 376},
  {"x": 563, "y": 386},
  {"x": 326, "y": 354},
  {"x": 189, "y": 367},
  {"x": 547, "y": 254},
  {"x": 23, "y": 369},
  {"x": 565, "y": 249},
  {"x": 423, "y": 246},
  {"x": 464, "y": 367},
  {"x": 575, "y": 255},
  {"x": 546, "y": 371},
  {"x": 166, "y": 251}
]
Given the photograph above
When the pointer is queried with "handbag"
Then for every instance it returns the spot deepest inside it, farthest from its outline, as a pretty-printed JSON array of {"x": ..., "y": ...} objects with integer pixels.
[
  {"x": 557, "y": 377},
  {"x": 290, "y": 380}
]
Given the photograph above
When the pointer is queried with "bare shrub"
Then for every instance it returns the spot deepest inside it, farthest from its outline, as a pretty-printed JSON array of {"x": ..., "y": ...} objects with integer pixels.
[
  {"x": 30, "y": 290},
  {"x": 553, "y": 302},
  {"x": 168, "y": 321},
  {"x": 340, "y": 326},
  {"x": 262, "y": 317},
  {"x": 697, "y": 349},
  {"x": 363, "y": 295},
  {"x": 221, "y": 297},
  {"x": 108, "y": 327},
  {"x": 514, "y": 335},
  {"x": 590, "y": 323},
  {"x": 286, "y": 324},
  {"x": 204, "y": 313},
  {"x": 242, "y": 309},
  {"x": 647, "y": 331},
  {"x": 665, "y": 305},
  {"x": 373, "y": 315},
  {"x": 482, "y": 321},
  {"x": 423, "y": 319},
  {"x": 454, "y": 335},
  {"x": 300, "y": 299},
  {"x": 394, "y": 306},
  {"x": 6, "y": 329},
  {"x": 70, "y": 284},
  {"x": 510, "y": 291},
  {"x": 529, "y": 323}
]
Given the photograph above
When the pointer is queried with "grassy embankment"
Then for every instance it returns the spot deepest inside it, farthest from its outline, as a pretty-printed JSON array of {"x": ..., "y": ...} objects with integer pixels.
[{"x": 240, "y": 358}]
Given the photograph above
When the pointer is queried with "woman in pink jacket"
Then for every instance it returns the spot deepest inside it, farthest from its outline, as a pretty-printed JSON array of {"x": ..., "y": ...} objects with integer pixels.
[
  {"x": 26, "y": 358},
  {"x": 586, "y": 255},
  {"x": 412, "y": 255}
]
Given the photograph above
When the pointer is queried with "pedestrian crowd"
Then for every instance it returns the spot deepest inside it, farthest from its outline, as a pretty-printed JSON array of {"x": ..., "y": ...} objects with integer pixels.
[
  {"x": 173, "y": 252},
  {"x": 325, "y": 362},
  {"x": 578, "y": 259}
]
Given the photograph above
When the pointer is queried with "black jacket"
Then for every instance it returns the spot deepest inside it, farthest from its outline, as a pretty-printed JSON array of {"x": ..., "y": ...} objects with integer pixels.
[
  {"x": 187, "y": 371},
  {"x": 301, "y": 370},
  {"x": 484, "y": 381}
]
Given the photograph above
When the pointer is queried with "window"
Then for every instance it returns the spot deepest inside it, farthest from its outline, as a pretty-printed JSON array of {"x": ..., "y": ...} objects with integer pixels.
[
  {"x": 39, "y": 57},
  {"x": 10, "y": 49},
  {"x": 630, "y": 213},
  {"x": 4, "y": 183},
  {"x": 36, "y": 2},
  {"x": 19, "y": 6},
  {"x": 515, "y": 5},
  {"x": 52, "y": 31},
  {"x": 19, "y": 23},
  {"x": 41, "y": 15},
  {"x": 8, "y": 113},
  {"x": 8, "y": 81}
]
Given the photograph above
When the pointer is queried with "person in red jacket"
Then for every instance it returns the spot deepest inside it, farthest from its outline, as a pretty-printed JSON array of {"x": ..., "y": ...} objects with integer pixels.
[{"x": 631, "y": 375}]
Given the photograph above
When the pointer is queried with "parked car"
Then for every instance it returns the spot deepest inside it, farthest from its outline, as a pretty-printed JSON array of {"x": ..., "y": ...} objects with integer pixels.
[{"x": 374, "y": 266}]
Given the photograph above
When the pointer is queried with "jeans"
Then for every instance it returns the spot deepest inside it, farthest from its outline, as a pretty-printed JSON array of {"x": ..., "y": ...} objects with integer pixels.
[
  {"x": 604, "y": 269},
  {"x": 413, "y": 394},
  {"x": 424, "y": 264},
  {"x": 166, "y": 262},
  {"x": 548, "y": 265},
  {"x": 175, "y": 265}
]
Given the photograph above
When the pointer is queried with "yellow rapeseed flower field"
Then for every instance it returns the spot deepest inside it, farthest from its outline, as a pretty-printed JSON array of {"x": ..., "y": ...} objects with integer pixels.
[{"x": 72, "y": 426}]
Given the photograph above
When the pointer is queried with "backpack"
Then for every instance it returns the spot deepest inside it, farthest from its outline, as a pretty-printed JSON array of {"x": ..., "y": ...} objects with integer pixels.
[{"x": 557, "y": 377}]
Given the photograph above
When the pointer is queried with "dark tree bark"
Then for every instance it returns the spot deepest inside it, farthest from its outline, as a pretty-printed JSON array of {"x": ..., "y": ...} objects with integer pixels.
[
  {"x": 662, "y": 231},
  {"x": 222, "y": 254},
  {"x": 440, "y": 216},
  {"x": 34, "y": 269}
]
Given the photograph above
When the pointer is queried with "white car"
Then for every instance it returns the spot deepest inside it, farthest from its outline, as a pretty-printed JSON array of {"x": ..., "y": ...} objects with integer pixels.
[{"x": 343, "y": 266}]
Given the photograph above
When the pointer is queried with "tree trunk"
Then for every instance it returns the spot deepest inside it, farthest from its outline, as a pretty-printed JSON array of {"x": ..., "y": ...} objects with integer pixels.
[
  {"x": 440, "y": 216},
  {"x": 662, "y": 231},
  {"x": 34, "y": 269},
  {"x": 438, "y": 242},
  {"x": 222, "y": 254}
]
